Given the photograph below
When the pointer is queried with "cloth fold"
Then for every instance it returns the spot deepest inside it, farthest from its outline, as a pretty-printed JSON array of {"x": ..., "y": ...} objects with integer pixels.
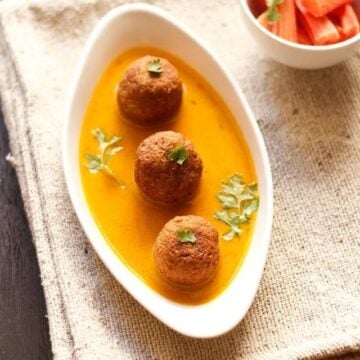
[{"x": 308, "y": 304}]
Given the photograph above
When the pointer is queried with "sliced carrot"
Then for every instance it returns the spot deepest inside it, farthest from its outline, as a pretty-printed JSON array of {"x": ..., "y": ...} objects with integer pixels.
[
  {"x": 346, "y": 21},
  {"x": 343, "y": 37},
  {"x": 285, "y": 27},
  {"x": 261, "y": 5},
  {"x": 262, "y": 19},
  {"x": 303, "y": 37},
  {"x": 356, "y": 6},
  {"x": 258, "y": 7},
  {"x": 335, "y": 20},
  {"x": 320, "y": 8},
  {"x": 321, "y": 30}
]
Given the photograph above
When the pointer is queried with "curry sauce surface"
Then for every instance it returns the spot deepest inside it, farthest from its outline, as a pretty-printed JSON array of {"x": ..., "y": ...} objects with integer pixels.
[{"x": 128, "y": 222}]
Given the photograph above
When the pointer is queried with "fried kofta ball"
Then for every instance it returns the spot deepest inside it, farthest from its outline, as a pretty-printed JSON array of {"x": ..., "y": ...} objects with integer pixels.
[
  {"x": 167, "y": 168},
  {"x": 186, "y": 251},
  {"x": 150, "y": 91}
]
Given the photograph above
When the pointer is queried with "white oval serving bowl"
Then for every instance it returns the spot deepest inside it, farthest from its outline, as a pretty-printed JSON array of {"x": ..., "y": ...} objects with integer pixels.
[
  {"x": 297, "y": 55},
  {"x": 143, "y": 25}
]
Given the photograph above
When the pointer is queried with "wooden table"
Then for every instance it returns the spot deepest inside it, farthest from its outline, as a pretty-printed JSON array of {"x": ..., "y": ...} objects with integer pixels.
[{"x": 24, "y": 333}]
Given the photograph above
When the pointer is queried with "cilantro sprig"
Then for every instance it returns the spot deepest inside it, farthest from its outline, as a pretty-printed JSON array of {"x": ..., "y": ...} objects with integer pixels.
[
  {"x": 239, "y": 201},
  {"x": 154, "y": 67},
  {"x": 186, "y": 236},
  {"x": 273, "y": 14},
  {"x": 179, "y": 154},
  {"x": 107, "y": 149}
]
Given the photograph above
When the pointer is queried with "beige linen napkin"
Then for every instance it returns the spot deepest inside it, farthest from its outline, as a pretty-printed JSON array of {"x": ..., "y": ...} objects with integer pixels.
[{"x": 308, "y": 304}]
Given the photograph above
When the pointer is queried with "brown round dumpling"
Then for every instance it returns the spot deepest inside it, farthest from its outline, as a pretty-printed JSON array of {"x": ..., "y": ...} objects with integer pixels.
[
  {"x": 186, "y": 252},
  {"x": 167, "y": 168},
  {"x": 150, "y": 91}
]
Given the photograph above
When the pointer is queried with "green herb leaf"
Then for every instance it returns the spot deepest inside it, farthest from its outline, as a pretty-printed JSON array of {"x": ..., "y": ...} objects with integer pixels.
[
  {"x": 113, "y": 152},
  {"x": 154, "y": 67},
  {"x": 233, "y": 220},
  {"x": 230, "y": 235},
  {"x": 251, "y": 207},
  {"x": 93, "y": 163},
  {"x": 186, "y": 236},
  {"x": 179, "y": 154},
  {"x": 242, "y": 199},
  {"x": 273, "y": 14},
  {"x": 99, "y": 135},
  {"x": 99, "y": 162},
  {"x": 228, "y": 200},
  {"x": 253, "y": 187}
]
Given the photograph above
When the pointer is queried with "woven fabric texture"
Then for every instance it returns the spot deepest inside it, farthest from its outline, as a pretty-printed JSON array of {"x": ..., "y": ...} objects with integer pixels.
[{"x": 308, "y": 304}]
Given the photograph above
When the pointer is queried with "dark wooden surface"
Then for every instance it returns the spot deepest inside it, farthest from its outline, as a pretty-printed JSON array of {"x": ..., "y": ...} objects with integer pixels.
[{"x": 24, "y": 333}]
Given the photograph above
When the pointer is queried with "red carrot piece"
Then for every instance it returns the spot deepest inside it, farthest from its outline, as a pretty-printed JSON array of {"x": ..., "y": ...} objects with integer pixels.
[
  {"x": 257, "y": 7},
  {"x": 321, "y": 30},
  {"x": 303, "y": 37},
  {"x": 356, "y": 6},
  {"x": 346, "y": 21},
  {"x": 285, "y": 27},
  {"x": 320, "y": 8},
  {"x": 343, "y": 37},
  {"x": 263, "y": 20},
  {"x": 261, "y": 5}
]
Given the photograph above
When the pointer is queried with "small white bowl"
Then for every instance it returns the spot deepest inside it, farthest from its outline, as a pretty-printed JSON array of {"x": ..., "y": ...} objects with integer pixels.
[
  {"x": 143, "y": 25},
  {"x": 297, "y": 55}
]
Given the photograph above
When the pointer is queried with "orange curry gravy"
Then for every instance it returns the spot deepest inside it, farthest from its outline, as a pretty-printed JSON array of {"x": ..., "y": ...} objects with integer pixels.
[{"x": 129, "y": 223}]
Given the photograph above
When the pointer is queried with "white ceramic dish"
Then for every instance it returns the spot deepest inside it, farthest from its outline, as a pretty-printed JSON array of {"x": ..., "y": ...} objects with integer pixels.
[
  {"x": 297, "y": 55},
  {"x": 140, "y": 25}
]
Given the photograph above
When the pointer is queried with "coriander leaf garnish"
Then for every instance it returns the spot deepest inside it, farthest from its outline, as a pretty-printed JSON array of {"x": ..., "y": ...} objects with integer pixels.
[
  {"x": 239, "y": 201},
  {"x": 273, "y": 14},
  {"x": 107, "y": 149},
  {"x": 178, "y": 154},
  {"x": 233, "y": 220},
  {"x": 154, "y": 67},
  {"x": 186, "y": 236}
]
